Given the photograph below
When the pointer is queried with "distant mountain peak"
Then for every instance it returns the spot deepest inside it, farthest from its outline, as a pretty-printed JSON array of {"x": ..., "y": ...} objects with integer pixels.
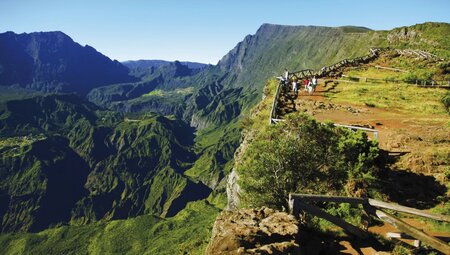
[{"x": 53, "y": 62}]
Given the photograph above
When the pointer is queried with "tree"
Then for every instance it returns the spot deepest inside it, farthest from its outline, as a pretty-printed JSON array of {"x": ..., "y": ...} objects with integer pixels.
[{"x": 302, "y": 155}]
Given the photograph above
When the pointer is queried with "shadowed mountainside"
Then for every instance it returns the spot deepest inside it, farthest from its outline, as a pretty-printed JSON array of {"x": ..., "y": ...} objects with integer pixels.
[
  {"x": 53, "y": 62},
  {"x": 67, "y": 161}
]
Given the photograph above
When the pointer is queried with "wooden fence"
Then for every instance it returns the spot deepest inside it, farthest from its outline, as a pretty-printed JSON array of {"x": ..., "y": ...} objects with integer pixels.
[
  {"x": 374, "y": 131},
  {"x": 374, "y": 208},
  {"x": 420, "y": 83},
  {"x": 307, "y": 73},
  {"x": 273, "y": 112}
]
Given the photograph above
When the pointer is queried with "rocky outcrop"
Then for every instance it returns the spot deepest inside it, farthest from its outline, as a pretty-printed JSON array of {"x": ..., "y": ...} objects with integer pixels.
[
  {"x": 404, "y": 34},
  {"x": 254, "y": 231},
  {"x": 233, "y": 191}
]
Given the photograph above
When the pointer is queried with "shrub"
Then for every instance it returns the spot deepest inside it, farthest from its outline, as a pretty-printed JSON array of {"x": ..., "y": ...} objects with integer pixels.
[
  {"x": 302, "y": 155},
  {"x": 410, "y": 77}
]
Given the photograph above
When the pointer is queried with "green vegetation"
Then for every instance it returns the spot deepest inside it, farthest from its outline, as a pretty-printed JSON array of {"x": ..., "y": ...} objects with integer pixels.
[
  {"x": 186, "y": 233},
  {"x": 396, "y": 96},
  {"x": 429, "y": 36},
  {"x": 216, "y": 147},
  {"x": 105, "y": 167},
  {"x": 163, "y": 93},
  {"x": 310, "y": 158}
]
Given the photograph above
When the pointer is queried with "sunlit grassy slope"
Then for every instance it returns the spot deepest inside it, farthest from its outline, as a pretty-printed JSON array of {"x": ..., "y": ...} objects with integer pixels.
[
  {"x": 387, "y": 89},
  {"x": 186, "y": 233},
  {"x": 391, "y": 96}
]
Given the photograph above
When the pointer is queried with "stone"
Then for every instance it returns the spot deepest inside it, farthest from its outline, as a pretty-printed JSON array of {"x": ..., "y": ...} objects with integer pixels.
[{"x": 254, "y": 231}]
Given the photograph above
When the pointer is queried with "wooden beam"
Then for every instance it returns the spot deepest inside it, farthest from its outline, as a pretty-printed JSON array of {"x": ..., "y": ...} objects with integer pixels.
[
  {"x": 349, "y": 228},
  {"x": 414, "y": 232},
  {"x": 375, "y": 132},
  {"x": 324, "y": 198},
  {"x": 405, "y": 209},
  {"x": 398, "y": 235}
]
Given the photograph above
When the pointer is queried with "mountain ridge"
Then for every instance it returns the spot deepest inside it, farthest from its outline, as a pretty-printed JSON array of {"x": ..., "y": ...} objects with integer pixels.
[{"x": 53, "y": 62}]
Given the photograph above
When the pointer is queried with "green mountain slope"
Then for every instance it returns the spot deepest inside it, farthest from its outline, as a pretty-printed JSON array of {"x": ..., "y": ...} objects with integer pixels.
[
  {"x": 175, "y": 79},
  {"x": 81, "y": 165},
  {"x": 186, "y": 233}
]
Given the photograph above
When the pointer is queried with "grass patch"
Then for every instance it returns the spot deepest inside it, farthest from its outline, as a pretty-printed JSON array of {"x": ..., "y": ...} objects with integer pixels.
[
  {"x": 407, "y": 98},
  {"x": 375, "y": 73},
  {"x": 165, "y": 93}
]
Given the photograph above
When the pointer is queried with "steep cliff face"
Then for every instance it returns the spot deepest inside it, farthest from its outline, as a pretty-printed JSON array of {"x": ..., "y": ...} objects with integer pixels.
[
  {"x": 53, "y": 62},
  {"x": 274, "y": 47}
]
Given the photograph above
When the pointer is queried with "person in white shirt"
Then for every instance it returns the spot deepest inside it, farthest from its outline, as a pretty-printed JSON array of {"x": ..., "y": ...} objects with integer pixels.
[
  {"x": 314, "y": 83},
  {"x": 294, "y": 86}
]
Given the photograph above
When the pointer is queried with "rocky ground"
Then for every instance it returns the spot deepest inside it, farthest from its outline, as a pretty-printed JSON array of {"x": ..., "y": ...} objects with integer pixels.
[{"x": 254, "y": 231}]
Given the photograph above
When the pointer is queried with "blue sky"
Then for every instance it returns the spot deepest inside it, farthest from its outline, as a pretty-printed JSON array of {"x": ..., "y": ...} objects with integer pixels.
[{"x": 199, "y": 30}]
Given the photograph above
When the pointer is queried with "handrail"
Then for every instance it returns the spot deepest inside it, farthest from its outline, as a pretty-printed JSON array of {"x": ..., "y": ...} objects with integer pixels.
[
  {"x": 297, "y": 202},
  {"x": 374, "y": 131},
  {"x": 370, "y": 201},
  {"x": 274, "y": 104}
]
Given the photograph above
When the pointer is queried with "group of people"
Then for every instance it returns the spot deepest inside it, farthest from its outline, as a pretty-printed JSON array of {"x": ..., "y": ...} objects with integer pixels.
[{"x": 310, "y": 84}]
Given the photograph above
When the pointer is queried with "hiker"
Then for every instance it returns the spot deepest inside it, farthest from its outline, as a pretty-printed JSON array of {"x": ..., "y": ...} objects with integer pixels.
[
  {"x": 294, "y": 87},
  {"x": 310, "y": 87},
  {"x": 286, "y": 77},
  {"x": 314, "y": 83},
  {"x": 306, "y": 83}
]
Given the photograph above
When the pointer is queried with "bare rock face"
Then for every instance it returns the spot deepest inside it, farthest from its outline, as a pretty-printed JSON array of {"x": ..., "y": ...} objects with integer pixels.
[
  {"x": 254, "y": 231},
  {"x": 402, "y": 35},
  {"x": 233, "y": 191}
]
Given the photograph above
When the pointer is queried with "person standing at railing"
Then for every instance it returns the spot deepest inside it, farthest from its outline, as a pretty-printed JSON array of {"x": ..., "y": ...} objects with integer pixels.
[
  {"x": 294, "y": 87},
  {"x": 310, "y": 87},
  {"x": 286, "y": 81},
  {"x": 306, "y": 83},
  {"x": 314, "y": 83}
]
